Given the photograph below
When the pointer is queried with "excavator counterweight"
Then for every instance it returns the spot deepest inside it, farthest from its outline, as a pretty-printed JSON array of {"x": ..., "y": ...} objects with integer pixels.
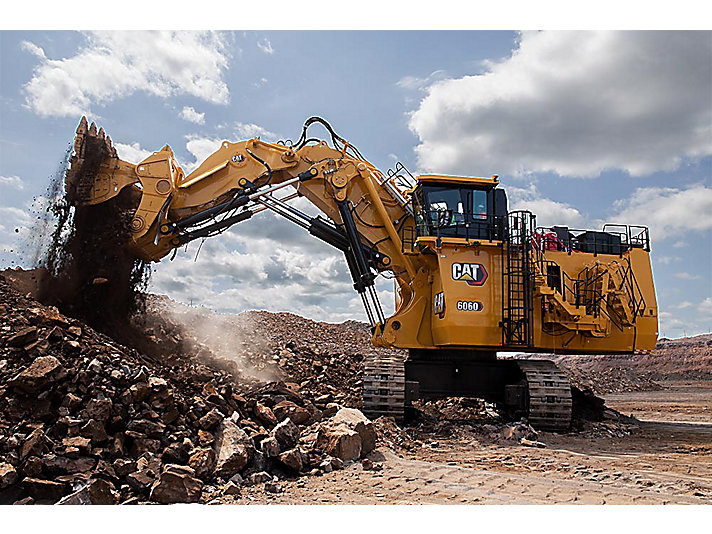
[{"x": 471, "y": 277}]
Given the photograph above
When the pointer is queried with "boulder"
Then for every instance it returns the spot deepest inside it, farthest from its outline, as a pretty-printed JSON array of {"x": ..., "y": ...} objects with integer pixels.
[
  {"x": 286, "y": 433},
  {"x": 140, "y": 480},
  {"x": 34, "y": 444},
  {"x": 519, "y": 431},
  {"x": 296, "y": 413},
  {"x": 152, "y": 429},
  {"x": 124, "y": 466},
  {"x": 31, "y": 467},
  {"x": 78, "y": 442},
  {"x": 270, "y": 447},
  {"x": 340, "y": 442},
  {"x": 292, "y": 459},
  {"x": 23, "y": 337},
  {"x": 54, "y": 464},
  {"x": 176, "y": 453},
  {"x": 355, "y": 420},
  {"x": 233, "y": 449},
  {"x": 330, "y": 410},
  {"x": 44, "y": 490},
  {"x": 98, "y": 409},
  {"x": 265, "y": 415},
  {"x": 177, "y": 483},
  {"x": 211, "y": 419},
  {"x": 231, "y": 489},
  {"x": 95, "y": 431},
  {"x": 96, "y": 491},
  {"x": 202, "y": 461},
  {"x": 205, "y": 438},
  {"x": 257, "y": 478},
  {"x": 141, "y": 446},
  {"x": 44, "y": 371},
  {"x": 8, "y": 475}
]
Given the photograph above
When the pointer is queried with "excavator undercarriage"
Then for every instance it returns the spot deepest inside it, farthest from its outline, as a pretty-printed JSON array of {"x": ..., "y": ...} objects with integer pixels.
[{"x": 471, "y": 279}]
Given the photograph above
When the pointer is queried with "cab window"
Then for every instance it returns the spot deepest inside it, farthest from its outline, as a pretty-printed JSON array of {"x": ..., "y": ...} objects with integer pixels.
[{"x": 451, "y": 211}]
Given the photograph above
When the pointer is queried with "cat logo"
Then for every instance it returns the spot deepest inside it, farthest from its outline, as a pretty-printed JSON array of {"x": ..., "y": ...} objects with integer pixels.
[
  {"x": 439, "y": 305},
  {"x": 474, "y": 274}
]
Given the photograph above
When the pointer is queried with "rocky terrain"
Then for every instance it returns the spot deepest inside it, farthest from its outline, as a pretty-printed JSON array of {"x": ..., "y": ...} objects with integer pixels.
[{"x": 84, "y": 419}]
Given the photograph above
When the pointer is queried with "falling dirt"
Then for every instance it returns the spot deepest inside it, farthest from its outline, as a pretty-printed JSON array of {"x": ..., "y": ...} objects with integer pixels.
[{"x": 84, "y": 268}]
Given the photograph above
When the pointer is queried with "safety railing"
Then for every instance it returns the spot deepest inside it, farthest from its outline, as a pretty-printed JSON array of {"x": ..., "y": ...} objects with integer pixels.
[{"x": 613, "y": 239}]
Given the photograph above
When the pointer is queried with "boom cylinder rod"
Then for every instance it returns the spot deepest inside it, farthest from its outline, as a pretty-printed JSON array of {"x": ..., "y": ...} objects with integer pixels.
[
  {"x": 240, "y": 200},
  {"x": 268, "y": 204},
  {"x": 355, "y": 245}
]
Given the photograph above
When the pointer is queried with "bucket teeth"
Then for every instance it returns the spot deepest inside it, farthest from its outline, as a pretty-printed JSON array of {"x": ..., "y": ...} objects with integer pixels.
[
  {"x": 82, "y": 128},
  {"x": 92, "y": 149},
  {"x": 111, "y": 147}
]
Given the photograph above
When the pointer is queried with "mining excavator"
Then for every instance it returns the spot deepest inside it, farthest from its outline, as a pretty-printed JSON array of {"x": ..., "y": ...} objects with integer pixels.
[{"x": 472, "y": 278}]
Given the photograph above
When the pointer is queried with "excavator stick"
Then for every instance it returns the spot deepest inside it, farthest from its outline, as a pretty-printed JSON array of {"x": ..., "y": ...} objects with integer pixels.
[{"x": 95, "y": 174}]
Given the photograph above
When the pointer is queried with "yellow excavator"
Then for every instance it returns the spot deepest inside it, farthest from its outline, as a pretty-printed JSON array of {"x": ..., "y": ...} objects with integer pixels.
[{"x": 471, "y": 277}]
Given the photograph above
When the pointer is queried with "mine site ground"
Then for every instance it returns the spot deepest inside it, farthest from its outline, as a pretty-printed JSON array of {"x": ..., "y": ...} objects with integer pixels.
[{"x": 666, "y": 458}]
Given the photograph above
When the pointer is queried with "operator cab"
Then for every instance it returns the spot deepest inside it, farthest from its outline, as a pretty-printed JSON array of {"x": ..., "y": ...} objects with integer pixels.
[{"x": 459, "y": 207}]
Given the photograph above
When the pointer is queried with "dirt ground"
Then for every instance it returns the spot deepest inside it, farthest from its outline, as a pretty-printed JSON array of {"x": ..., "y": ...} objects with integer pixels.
[{"x": 666, "y": 459}]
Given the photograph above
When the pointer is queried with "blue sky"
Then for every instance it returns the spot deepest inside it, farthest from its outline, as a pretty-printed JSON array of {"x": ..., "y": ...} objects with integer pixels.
[{"x": 583, "y": 128}]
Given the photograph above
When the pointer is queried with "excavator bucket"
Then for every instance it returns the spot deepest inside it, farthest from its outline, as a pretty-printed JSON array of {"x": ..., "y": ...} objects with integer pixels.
[{"x": 95, "y": 174}]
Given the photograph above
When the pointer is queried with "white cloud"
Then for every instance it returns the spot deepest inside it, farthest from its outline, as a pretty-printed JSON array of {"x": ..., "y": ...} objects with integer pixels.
[
  {"x": 249, "y": 130},
  {"x": 687, "y": 276},
  {"x": 574, "y": 103},
  {"x": 112, "y": 65},
  {"x": 705, "y": 307},
  {"x": 668, "y": 211},
  {"x": 266, "y": 263},
  {"x": 548, "y": 212},
  {"x": 200, "y": 148},
  {"x": 414, "y": 83},
  {"x": 265, "y": 46},
  {"x": 132, "y": 153},
  {"x": 14, "y": 182},
  {"x": 666, "y": 260},
  {"x": 189, "y": 114},
  {"x": 33, "y": 49},
  {"x": 683, "y": 305},
  {"x": 15, "y": 216}
]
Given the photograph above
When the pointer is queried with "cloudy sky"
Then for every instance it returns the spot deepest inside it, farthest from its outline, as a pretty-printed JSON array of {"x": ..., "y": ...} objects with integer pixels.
[{"x": 583, "y": 128}]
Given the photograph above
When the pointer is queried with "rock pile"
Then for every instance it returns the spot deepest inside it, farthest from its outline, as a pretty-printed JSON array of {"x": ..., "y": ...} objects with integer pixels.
[{"x": 86, "y": 420}]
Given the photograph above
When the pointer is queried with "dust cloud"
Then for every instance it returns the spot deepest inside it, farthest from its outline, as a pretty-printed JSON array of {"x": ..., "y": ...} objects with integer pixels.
[{"x": 209, "y": 335}]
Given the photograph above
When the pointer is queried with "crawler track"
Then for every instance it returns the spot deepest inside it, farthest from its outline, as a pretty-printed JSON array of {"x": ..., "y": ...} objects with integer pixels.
[
  {"x": 549, "y": 395},
  {"x": 384, "y": 387}
]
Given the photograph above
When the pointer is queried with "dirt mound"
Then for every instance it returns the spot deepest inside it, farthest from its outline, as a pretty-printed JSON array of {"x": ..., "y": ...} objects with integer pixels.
[{"x": 85, "y": 419}]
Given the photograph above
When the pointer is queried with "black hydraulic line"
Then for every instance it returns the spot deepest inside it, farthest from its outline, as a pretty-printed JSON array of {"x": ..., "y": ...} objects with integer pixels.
[
  {"x": 333, "y": 236},
  {"x": 359, "y": 284},
  {"x": 263, "y": 162},
  {"x": 207, "y": 230},
  {"x": 240, "y": 200},
  {"x": 365, "y": 275},
  {"x": 161, "y": 213}
]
